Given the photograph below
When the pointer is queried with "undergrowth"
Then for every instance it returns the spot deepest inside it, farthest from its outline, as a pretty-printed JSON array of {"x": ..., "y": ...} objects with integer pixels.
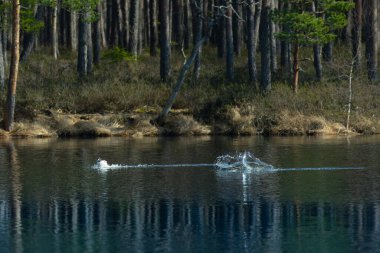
[{"x": 125, "y": 85}]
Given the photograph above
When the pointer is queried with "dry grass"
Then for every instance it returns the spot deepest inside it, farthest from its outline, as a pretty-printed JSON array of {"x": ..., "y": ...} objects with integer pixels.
[{"x": 128, "y": 94}]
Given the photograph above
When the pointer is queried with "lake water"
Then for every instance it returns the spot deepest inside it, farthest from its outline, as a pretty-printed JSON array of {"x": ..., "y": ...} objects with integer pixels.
[{"x": 52, "y": 200}]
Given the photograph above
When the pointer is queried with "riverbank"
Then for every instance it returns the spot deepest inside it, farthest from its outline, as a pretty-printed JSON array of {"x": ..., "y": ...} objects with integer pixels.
[
  {"x": 50, "y": 123},
  {"x": 121, "y": 99}
]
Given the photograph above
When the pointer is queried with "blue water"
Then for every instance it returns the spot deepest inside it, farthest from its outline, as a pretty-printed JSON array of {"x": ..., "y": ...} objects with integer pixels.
[{"x": 321, "y": 195}]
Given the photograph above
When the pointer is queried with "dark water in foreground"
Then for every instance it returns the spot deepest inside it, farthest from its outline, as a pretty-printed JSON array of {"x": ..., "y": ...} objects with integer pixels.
[{"x": 52, "y": 201}]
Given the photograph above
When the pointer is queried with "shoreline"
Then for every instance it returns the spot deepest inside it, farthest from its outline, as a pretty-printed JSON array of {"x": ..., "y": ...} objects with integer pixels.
[{"x": 50, "y": 123}]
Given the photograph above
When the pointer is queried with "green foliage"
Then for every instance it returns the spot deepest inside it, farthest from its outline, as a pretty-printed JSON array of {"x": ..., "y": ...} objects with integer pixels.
[
  {"x": 28, "y": 21},
  {"x": 118, "y": 54},
  {"x": 82, "y": 6},
  {"x": 306, "y": 25}
]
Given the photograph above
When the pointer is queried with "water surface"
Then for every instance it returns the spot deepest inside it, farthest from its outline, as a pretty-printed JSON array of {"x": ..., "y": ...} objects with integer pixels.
[{"x": 51, "y": 200}]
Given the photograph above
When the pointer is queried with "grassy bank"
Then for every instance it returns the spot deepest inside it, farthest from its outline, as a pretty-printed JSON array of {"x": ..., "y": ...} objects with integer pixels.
[{"x": 127, "y": 89}]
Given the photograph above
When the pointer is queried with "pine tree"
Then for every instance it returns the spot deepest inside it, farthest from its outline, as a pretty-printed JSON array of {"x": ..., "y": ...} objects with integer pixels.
[{"x": 307, "y": 28}]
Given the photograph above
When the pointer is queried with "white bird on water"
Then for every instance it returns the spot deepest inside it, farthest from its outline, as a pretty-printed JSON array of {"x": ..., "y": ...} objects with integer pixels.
[{"x": 102, "y": 163}]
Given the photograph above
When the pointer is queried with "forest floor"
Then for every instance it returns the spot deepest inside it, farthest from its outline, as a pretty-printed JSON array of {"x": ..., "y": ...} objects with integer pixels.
[{"x": 120, "y": 98}]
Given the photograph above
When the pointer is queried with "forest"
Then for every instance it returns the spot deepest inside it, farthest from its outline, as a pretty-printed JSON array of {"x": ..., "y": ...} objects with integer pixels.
[{"x": 174, "y": 67}]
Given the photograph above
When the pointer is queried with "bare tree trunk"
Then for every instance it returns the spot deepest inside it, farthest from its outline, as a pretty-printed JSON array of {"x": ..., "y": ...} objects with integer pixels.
[
  {"x": 164, "y": 40},
  {"x": 296, "y": 67},
  {"x": 90, "y": 53},
  {"x": 371, "y": 39},
  {"x": 135, "y": 18},
  {"x": 153, "y": 27},
  {"x": 102, "y": 25},
  {"x": 181, "y": 78},
  {"x": 73, "y": 31},
  {"x": 178, "y": 22},
  {"x": 198, "y": 16},
  {"x": 146, "y": 24},
  {"x": 140, "y": 41},
  {"x": 62, "y": 21},
  {"x": 121, "y": 28},
  {"x": 2, "y": 64},
  {"x": 251, "y": 46},
  {"x": 273, "y": 44},
  {"x": 317, "y": 51},
  {"x": 4, "y": 44},
  {"x": 259, "y": 4},
  {"x": 357, "y": 32},
  {"x": 327, "y": 51},
  {"x": 13, "y": 72},
  {"x": 317, "y": 61},
  {"x": 113, "y": 28},
  {"x": 229, "y": 44},
  {"x": 82, "y": 45},
  {"x": 236, "y": 24},
  {"x": 96, "y": 36},
  {"x": 186, "y": 25},
  {"x": 54, "y": 38},
  {"x": 266, "y": 80},
  {"x": 221, "y": 36},
  {"x": 350, "y": 94}
]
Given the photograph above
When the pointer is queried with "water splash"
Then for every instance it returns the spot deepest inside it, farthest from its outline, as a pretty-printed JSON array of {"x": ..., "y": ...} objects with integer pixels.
[
  {"x": 244, "y": 162},
  {"x": 103, "y": 165}
]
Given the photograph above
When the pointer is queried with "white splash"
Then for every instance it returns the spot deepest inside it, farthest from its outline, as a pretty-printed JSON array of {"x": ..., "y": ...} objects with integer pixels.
[
  {"x": 103, "y": 165},
  {"x": 245, "y": 160},
  {"x": 241, "y": 162}
]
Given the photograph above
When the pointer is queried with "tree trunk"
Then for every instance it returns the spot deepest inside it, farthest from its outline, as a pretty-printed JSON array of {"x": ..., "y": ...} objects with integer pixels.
[
  {"x": 13, "y": 72},
  {"x": 357, "y": 33},
  {"x": 74, "y": 32},
  {"x": 259, "y": 4},
  {"x": 82, "y": 45},
  {"x": 135, "y": 18},
  {"x": 54, "y": 34},
  {"x": 121, "y": 28},
  {"x": 30, "y": 37},
  {"x": 180, "y": 81},
  {"x": 2, "y": 64},
  {"x": 317, "y": 62},
  {"x": 146, "y": 24},
  {"x": 113, "y": 37},
  {"x": 96, "y": 36},
  {"x": 371, "y": 39},
  {"x": 317, "y": 50},
  {"x": 198, "y": 16},
  {"x": 229, "y": 44},
  {"x": 273, "y": 43},
  {"x": 236, "y": 25},
  {"x": 62, "y": 16},
  {"x": 285, "y": 55},
  {"x": 221, "y": 35},
  {"x": 153, "y": 27},
  {"x": 178, "y": 22},
  {"x": 102, "y": 25},
  {"x": 285, "y": 45},
  {"x": 164, "y": 40},
  {"x": 266, "y": 82},
  {"x": 251, "y": 46},
  {"x": 296, "y": 68},
  {"x": 90, "y": 53},
  {"x": 140, "y": 41},
  {"x": 186, "y": 25},
  {"x": 327, "y": 51}
]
